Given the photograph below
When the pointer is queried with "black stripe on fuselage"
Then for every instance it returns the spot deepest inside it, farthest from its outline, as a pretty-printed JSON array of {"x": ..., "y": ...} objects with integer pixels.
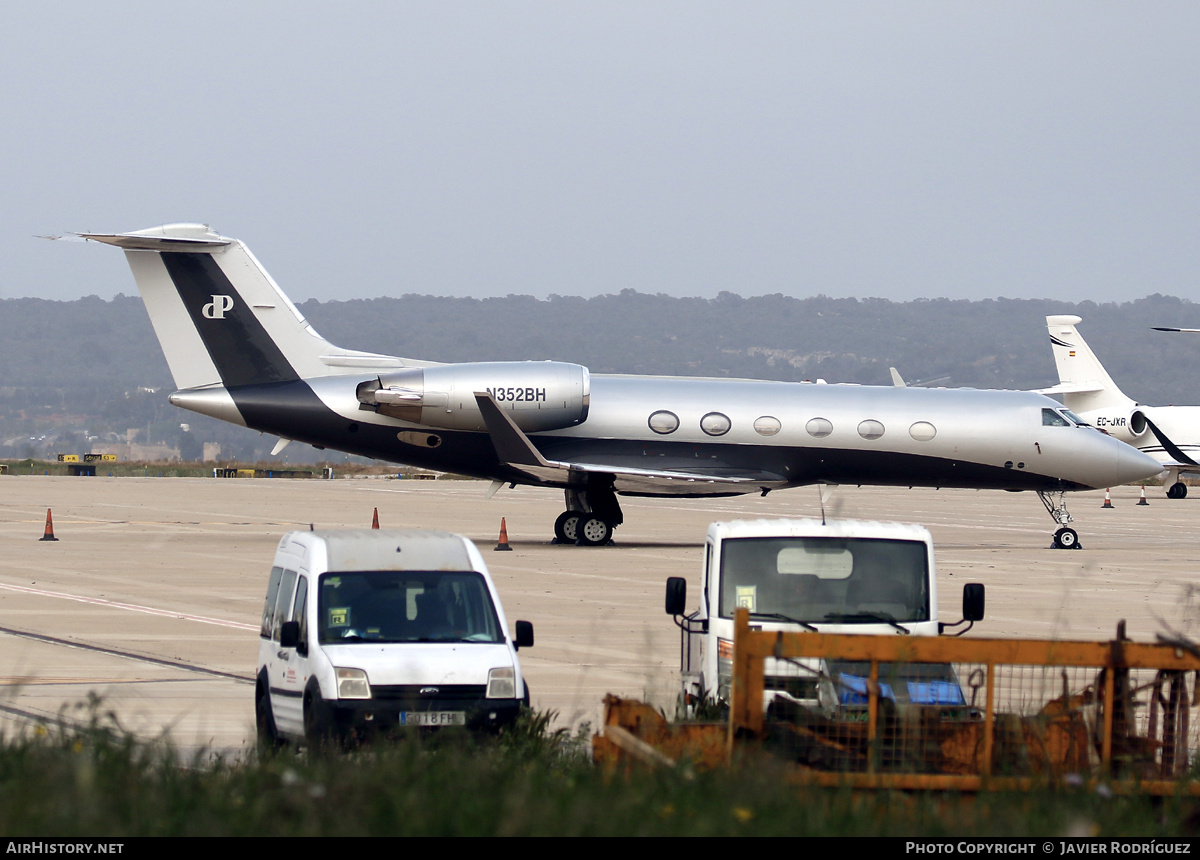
[
  {"x": 294, "y": 411},
  {"x": 241, "y": 349}
]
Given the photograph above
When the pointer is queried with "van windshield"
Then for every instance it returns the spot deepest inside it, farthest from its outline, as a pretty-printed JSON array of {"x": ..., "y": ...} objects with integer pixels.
[
  {"x": 406, "y": 606},
  {"x": 825, "y": 580}
]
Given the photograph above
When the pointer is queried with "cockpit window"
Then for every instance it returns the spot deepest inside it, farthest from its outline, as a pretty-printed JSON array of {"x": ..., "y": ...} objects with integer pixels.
[
  {"x": 1051, "y": 418},
  {"x": 1074, "y": 418}
]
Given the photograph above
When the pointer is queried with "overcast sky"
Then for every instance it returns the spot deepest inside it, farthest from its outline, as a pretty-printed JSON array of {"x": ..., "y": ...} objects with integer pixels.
[{"x": 888, "y": 149}]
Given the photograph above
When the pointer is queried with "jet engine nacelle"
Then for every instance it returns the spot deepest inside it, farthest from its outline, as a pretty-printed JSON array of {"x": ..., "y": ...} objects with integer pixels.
[
  {"x": 538, "y": 395},
  {"x": 1128, "y": 427}
]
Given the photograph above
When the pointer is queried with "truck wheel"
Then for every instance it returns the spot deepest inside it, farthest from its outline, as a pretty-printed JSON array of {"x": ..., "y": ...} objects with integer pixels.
[{"x": 264, "y": 722}]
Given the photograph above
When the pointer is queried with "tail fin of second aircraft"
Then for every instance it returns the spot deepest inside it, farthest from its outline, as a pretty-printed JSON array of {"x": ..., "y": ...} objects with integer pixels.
[
  {"x": 220, "y": 318},
  {"x": 1082, "y": 379}
]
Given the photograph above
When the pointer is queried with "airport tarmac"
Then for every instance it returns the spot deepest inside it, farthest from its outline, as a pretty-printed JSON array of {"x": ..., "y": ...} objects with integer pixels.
[{"x": 150, "y": 600}]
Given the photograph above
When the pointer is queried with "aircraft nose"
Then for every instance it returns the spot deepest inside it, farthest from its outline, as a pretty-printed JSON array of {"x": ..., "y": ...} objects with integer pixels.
[{"x": 1133, "y": 465}]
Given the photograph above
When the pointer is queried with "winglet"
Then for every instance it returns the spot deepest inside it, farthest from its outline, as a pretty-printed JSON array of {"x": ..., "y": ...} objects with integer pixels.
[{"x": 512, "y": 446}]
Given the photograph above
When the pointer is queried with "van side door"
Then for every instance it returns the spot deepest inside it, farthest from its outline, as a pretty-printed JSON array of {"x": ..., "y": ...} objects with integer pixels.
[{"x": 281, "y": 673}]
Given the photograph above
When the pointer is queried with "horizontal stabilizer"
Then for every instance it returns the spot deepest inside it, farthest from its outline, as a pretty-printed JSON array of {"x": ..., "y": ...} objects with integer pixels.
[
  {"x": 204, "y": 241},
  {"x": 1068, "y": 388}
]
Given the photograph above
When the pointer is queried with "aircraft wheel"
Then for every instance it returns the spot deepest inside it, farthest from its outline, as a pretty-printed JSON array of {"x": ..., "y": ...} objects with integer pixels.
[
  {"x": 1066, "y": 538},
  {"x": 566, "y": 527},
  {"x": 1178, "y": 490},
  {"x": 593, "y": 531}
]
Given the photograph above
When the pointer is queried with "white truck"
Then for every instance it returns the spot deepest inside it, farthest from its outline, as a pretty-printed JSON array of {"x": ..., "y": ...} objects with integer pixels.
[{"x": 840, "y": 576}]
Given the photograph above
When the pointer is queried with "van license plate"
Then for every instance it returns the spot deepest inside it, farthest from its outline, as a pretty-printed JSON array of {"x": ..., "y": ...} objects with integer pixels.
[{"x": 433, "y": 718}]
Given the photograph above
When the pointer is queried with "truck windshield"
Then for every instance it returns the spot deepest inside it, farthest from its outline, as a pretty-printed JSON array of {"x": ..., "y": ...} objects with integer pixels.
[
  {"x": 826, "y": 580},
  {"x": 403, "y": 606}
]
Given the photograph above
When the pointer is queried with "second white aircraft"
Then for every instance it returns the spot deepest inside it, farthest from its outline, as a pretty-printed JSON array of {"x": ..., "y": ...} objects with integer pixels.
[{"x": 1170, "y": 434}]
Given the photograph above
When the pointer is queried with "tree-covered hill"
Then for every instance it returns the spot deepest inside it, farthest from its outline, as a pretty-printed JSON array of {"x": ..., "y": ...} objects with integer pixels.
[{"x": 71, "y": 367}]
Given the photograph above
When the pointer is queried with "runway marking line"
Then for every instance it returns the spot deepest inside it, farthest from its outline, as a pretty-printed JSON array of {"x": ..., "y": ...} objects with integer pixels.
[{"x": 130, "y": 607}]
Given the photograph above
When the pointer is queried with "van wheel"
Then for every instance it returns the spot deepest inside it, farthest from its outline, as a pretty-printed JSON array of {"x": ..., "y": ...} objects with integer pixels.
[
  {"x": 317, "y": 725},
  {"x": 264, "y": 722}
]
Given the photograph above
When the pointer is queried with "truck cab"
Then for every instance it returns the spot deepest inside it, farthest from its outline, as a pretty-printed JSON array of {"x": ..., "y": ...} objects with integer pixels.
[{"x": 840, "y": 576}]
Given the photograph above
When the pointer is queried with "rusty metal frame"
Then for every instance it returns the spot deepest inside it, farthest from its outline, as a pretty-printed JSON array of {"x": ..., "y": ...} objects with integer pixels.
[{"x": 752, "y": 647}]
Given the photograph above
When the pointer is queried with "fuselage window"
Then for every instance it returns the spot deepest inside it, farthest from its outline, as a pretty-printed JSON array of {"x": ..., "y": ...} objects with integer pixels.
[
  {"x": 715, "y": 424},
  {"x": 1051, "y": 418},
  {"x": 819, "y": 427},
  {"x": 922, "y": 431},
  {"x": 664, "y": 422},
  {"x": 870, "y": 429},
  {"x": 767, "y": 426}
]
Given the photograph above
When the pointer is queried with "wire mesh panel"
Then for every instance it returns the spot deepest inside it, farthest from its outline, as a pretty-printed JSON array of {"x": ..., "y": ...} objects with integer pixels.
[{"x": 891, "y": 706}]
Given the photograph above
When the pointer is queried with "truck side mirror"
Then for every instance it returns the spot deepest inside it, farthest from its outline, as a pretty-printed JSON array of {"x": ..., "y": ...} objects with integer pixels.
[
  {"x": 524, "y": 635},
  {"x": 973, "y": 601},
  {"x": 676, "y": 595},
  {"x": 289, "y": 634}
]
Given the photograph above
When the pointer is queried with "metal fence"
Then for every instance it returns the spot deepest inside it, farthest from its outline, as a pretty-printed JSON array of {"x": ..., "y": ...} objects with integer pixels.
[{"x": 940, "y": 712}]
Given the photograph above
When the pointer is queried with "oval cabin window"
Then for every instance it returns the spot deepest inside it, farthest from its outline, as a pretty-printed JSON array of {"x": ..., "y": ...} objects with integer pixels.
[
  {"x": 715, "y": 424},
  {"x": 819, "y": 427},
  {"x": 922, "y": 431},
  {"x": 664, "y": 422},
  {"x": 870, "y": 429},
  {"x": 767, "y": 426}
]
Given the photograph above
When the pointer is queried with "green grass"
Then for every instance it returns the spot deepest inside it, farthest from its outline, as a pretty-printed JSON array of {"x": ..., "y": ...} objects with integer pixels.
[{"x": 98, "y": 780}]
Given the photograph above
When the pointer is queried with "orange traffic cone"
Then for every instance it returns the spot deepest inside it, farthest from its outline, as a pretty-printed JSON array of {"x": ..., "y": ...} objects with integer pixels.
[
  {"x": 375, "y": 519},
  {"x": 1107, "y": 499},
  {"x": 502, "y": 544},
  {"x": 1142, "y": 500},
  {"x": 49, "y": 533}
]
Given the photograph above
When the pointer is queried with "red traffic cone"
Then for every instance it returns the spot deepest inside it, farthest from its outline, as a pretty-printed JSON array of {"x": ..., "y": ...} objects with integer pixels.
[
  {"x": 49, "y": 533},
  {"x": 502, "y": 544},
  {"x": 375, "y": 519},
  {"x": 1142, "y": 500},
  {"x": 1107, "y": 499}
]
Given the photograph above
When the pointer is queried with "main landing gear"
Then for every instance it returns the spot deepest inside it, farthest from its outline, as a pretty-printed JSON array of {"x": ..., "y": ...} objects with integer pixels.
[
  {"x": 590, "y": 517},
  {"x": 1178, "y": 490},
  {"x": 1066, "y": 537}
]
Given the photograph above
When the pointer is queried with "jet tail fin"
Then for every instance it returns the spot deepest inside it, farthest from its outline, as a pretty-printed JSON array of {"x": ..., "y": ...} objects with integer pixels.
[
  {"x": 1082, "y": 379},
  {"x": 219, "y": 316}
]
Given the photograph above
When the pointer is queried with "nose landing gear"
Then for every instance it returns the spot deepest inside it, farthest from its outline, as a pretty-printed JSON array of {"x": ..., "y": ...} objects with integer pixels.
[{"x": 1066, "y": 537}]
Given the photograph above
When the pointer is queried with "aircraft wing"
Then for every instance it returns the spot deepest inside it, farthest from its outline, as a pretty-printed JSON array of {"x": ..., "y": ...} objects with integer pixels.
[
  {"x": 1170, "y": 447},
  {"x": 514, "y": 449}
]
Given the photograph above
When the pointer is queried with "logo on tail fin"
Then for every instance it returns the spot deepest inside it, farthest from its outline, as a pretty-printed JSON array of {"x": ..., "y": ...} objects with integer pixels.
[{"x": 215, "y": 310}]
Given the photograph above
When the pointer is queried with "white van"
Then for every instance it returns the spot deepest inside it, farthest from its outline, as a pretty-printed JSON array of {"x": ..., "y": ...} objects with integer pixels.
[{"x": 364, "y": 631}]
